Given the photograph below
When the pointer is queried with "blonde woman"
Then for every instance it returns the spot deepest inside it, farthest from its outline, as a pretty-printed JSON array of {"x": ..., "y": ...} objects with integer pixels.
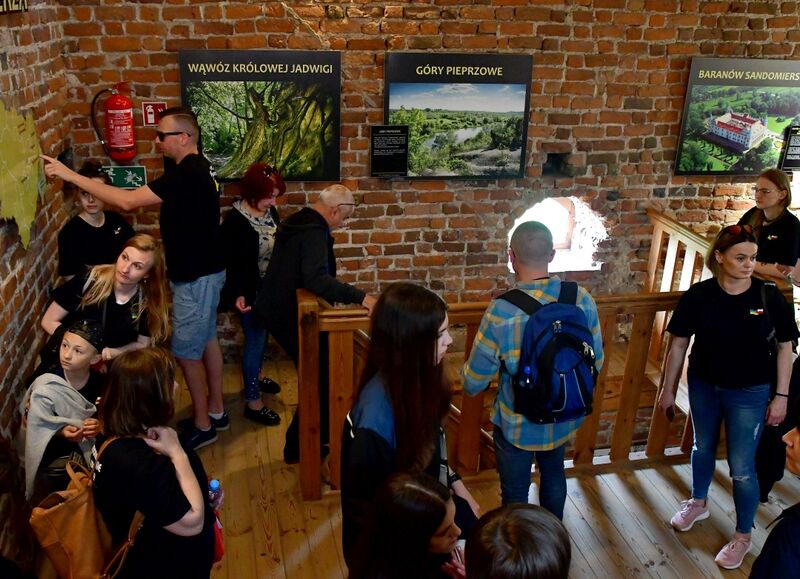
[{"x": 128, "y": 298}]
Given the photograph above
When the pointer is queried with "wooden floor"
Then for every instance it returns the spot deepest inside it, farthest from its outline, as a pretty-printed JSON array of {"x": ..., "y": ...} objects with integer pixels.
[{"x": 618, "y": 522}]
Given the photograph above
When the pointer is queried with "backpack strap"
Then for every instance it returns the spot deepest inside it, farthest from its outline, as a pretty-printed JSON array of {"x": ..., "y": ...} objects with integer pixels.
[
  {"x": 523, "y": 301},
  {"x": 568, "y": 294}
]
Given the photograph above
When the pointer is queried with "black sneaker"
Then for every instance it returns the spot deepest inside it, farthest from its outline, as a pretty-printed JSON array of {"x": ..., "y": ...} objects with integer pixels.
[
  {"x": 220, "y": 424},
  {"x": 197, "y": 438},
  {"x": 269, "y": 386},
  {"x": 264, "y": 416}
]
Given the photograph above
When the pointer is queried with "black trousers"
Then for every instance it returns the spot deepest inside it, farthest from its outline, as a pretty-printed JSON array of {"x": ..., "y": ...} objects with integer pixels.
[{"x": 771, "y": 451}]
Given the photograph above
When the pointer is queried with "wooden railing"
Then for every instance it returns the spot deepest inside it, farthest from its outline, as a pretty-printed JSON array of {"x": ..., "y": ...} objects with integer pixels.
[{"x": 627, "y": 382}]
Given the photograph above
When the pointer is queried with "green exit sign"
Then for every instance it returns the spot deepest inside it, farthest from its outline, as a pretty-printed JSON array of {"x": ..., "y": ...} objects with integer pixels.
[{"x": 126, "y": 177}]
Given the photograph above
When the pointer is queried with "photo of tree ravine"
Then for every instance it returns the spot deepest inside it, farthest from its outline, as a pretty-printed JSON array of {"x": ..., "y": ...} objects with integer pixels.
[
  {"x": 461, "y": 129},
  {"x": 736, "y": 130},
  {"x": 292, "y": 125}
]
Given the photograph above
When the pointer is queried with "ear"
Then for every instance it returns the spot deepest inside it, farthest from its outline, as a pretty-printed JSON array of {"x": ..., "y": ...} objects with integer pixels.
[
  {"x": 718, "y": 256},
  {"x": 96, "y": 359},
  {"x": 552, "y": 255}
]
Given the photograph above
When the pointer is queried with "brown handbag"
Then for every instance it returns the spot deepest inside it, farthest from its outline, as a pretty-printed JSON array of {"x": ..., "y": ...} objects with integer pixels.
[{"x": 72, "y": 532}]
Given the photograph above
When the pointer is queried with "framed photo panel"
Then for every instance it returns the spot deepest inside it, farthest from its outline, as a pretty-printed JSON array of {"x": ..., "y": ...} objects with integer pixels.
[
  {"x": 736, "y": 114},
  {"x": 467, "y": 113},
  {"x": 279, "y": 107}
]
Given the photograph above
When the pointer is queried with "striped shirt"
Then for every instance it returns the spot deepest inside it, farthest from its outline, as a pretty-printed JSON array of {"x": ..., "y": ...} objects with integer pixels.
[{"x": 499, "y": 338}]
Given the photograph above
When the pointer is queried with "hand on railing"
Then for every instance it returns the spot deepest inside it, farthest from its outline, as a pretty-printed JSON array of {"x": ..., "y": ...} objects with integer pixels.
[{"x": 369, "y": 302}]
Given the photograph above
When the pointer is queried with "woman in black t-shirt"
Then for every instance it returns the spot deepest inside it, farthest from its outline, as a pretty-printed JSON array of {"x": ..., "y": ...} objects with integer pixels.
[
  {"x": 776, "y": 229},
  {"x": 128, "y": 297},
  {"x": 734, "y": 359},
  {"x": 147, "y": 470}
]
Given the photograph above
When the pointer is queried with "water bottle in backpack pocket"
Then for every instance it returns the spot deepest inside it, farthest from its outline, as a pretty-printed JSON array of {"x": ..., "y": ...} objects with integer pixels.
[{"x": 557, "y": 372}]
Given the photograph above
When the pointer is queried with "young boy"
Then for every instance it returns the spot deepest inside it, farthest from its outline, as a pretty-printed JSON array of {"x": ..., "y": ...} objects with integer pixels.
[{"x": 59, "y": 409}]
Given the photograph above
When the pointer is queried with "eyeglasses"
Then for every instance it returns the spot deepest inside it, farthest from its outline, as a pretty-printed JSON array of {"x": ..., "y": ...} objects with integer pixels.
[
  {"x": 737, "y": 230},
  {"x": 355, "y": 204},
  {"x": 763, "y": 190},
  {"x": 161, "y": 135}
]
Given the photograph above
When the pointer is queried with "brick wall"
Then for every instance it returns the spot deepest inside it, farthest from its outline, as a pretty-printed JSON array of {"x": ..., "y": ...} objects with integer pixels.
[
  {"x": 32, "y": 81},
  {"x": 608, "y": 85}
]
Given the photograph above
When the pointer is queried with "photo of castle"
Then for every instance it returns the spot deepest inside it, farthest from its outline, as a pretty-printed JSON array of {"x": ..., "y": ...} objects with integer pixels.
[
  {"x": 735, "y": 130},
  {"x": 738, "y": 130}
]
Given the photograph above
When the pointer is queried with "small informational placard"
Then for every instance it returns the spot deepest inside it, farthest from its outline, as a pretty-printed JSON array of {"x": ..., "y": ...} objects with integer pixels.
[
  {"x": 150, "y": 112},
  {"x": 790, "y": 155},
  {"x": 389, "y": 151},
  {"x": 126, "y": 177}
]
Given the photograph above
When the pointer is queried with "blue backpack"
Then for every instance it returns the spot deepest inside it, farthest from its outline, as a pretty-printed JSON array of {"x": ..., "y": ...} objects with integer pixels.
[{"x": 557, "y": 373}]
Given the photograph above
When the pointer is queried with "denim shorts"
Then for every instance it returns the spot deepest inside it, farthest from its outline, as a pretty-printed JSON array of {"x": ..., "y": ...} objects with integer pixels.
[{"x": 194, "y": 314}]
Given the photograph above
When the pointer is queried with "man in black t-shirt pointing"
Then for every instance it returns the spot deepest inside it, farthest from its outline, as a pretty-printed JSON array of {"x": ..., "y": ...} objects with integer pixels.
[{"x": 189, "y": 218}]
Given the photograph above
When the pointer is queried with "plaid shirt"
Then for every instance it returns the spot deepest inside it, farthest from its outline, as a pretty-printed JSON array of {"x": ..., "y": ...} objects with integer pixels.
[{"x": 499, "y": 338}]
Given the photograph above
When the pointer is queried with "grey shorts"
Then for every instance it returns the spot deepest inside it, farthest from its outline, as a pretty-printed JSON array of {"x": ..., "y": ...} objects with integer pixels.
[{"x": 194, "y": 314}]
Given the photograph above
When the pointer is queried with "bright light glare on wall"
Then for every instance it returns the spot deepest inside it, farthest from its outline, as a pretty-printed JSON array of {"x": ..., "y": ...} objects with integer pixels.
[{"x": 576, "y": 234}]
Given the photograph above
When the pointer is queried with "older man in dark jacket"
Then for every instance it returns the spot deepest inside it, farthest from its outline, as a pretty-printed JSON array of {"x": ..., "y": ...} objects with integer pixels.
[{"x": 303, "y": 258}]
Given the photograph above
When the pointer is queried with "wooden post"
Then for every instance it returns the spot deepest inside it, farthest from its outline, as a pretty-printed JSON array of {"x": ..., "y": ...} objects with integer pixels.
[
  {"x": 340, "y": 370},
  {"x": 586, "y": 439},
  {"x": 308, "y": 394},
  {"x": 469, "y": 428},
  {"x": 632, "y": 384},
  {"x": 659, "y": 425}
]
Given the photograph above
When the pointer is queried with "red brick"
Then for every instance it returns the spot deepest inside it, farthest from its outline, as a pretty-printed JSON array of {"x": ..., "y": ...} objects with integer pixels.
[{"x": 123, "y": 44}]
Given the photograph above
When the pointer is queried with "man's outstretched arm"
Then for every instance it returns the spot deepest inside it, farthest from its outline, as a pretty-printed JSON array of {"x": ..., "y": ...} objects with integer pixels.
[{"x": 122, "y": 198}]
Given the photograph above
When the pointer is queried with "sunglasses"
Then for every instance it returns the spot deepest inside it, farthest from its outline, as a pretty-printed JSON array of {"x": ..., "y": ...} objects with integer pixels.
[
  {"x": 161, "y": 135},
  {"x": 737, "y": 230}
]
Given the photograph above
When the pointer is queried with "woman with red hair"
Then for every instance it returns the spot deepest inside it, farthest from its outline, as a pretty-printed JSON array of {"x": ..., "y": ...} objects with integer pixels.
[{"x": 248, "y": 235}]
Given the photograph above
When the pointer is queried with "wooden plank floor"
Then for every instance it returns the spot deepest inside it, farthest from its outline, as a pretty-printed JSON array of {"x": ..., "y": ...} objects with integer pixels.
[{"x": 618, "y": 521}]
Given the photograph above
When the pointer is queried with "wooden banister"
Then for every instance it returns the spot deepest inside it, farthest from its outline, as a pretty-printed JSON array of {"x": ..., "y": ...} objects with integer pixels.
[
  {"x": 345, "y": 327},
  {"x": 628, "y": 381},
  {"x": 308, "y": 393}
]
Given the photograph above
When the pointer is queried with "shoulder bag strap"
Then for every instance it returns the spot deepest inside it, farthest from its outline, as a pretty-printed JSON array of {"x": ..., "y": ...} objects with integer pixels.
[
  {"x": 118, "y": 559},
  {"x": 444, "y": 466},
  {"x": 771, "y": 335},
  {"x": 114, "y": 566}
]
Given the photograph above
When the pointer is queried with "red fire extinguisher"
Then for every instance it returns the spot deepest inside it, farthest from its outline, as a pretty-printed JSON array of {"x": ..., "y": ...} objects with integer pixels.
[{"x": 118, "y": 109}]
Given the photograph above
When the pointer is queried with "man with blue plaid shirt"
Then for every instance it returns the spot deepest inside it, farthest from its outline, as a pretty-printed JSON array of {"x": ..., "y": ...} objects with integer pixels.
[{"x": 518, "y": 441}]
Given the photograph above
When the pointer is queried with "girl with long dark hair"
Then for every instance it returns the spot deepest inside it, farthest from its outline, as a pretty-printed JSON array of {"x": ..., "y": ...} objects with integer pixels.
[
  {"x": 395, "y": 424},
  {"x": 411, "y": 531}
]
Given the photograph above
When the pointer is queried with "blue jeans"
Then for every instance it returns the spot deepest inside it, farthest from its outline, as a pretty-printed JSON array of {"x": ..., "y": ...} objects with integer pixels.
[
  {"x": 255, "y": 340},
  {"x": 742, "y": 410},
  {"x": 514, "y": 465}
]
